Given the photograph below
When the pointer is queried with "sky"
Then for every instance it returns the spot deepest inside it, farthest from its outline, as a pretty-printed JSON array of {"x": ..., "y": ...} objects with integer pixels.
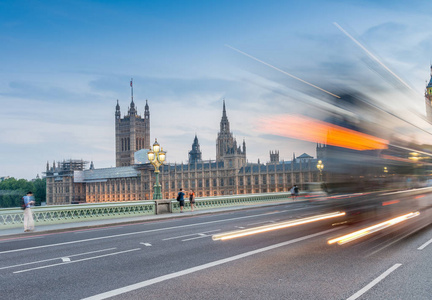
[{"x": 64, "y": 65}]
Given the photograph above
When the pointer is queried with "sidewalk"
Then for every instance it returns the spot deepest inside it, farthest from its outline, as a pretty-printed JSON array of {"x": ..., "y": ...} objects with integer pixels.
[{"x": 4, "y": 233}]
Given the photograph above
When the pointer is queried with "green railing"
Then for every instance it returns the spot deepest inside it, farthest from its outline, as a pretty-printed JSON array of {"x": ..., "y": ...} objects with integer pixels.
[
  {"x": 57, "y": 214},
  {"x": 231, "y": 200}
]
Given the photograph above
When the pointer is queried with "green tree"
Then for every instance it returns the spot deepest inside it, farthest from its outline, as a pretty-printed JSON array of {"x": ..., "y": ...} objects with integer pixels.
[{"x": 12, "y": 190}]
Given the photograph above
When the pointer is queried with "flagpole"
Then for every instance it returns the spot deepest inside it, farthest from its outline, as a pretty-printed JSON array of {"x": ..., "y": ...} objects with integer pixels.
[{"x": 131, "y": 84}]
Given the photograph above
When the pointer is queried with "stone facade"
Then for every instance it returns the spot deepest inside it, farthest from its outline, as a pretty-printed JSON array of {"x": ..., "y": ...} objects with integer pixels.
[{"x": 69, "y": 182}]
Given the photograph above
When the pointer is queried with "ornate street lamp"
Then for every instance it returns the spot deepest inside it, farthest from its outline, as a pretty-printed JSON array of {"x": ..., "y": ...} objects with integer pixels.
[
  {"x": 157, "y": 157},
  {"x": 320, "y": 167}
]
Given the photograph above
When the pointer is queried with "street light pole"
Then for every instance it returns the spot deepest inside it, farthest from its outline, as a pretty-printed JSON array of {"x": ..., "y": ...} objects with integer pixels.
[
  {"x": 320, "y": 167},
  {"x": 156, "y": 156}
]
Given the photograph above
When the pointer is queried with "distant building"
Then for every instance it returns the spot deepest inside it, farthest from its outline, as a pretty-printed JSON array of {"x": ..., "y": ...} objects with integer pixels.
[
  {"x": 230, "y": 173},
  {"x": 4, "y": 178},
  {"x": 428, "y": 99},
  {"x": 195, "y": 153}
]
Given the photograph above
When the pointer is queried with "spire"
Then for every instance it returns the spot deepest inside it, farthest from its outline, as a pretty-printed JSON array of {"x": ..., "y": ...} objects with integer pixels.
[
  {"x": 224, "y": 124},
  {"x": 117, "y": 112},
  {"x": 146, "y": 111},
  {"x": 132, "y": 110}
]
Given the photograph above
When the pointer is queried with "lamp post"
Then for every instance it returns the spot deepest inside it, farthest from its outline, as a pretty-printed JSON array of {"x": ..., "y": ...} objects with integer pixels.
[
  {"x": 320, "y": 167},
  {"x": 157, "y": 157}
]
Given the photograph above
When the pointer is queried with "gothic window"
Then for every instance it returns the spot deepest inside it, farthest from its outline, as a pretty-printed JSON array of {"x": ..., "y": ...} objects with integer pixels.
[{"x": 280, "y": 179}]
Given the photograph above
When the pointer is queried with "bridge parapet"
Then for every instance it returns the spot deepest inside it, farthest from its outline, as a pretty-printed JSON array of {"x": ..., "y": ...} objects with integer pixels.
[{"x": 58, "y": 214}]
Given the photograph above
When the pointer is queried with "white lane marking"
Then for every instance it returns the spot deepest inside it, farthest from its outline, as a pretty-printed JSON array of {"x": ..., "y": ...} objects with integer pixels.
[
  {"x": 45, "y": 260},
  {"x": 241, "y": 227},
  {"x": 195, "y": 238},
  {"x": 262, "y": 222},
  {"x": 79, "y": 260},
  {"x": 374, "y": 282},
  {"x": 90, "y": 230},
  {"x": 397, "y": 240},
  {"x": 133, "y": 233},
  {"x": 146, "y": 244},
  {"x": 186, "y": 235},
  {"x": 145, "y": 283},
  {"x": 66, "y": 259},
  {"x": 424, "y": 245}
]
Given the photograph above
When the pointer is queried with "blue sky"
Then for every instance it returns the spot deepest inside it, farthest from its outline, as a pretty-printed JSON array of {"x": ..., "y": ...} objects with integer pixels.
[{"x": 63, "y": 65}]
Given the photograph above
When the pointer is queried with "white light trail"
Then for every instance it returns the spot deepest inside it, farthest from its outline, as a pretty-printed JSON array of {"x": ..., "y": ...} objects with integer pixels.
[
  {"x": 371, "y": 229},
  {"x": 275, "y": 226},
  {"x": 282, "y": 71},
  {"x": 371, "y": 55}
]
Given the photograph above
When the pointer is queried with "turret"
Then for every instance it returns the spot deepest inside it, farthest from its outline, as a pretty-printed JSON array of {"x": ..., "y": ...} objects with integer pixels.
[
  {"x": 117, "y": 112},
  {"x": 146, "y": 111}
]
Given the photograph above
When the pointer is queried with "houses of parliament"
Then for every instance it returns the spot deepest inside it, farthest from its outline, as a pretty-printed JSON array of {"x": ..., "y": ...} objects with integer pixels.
[{"x": 70, "y": 181}]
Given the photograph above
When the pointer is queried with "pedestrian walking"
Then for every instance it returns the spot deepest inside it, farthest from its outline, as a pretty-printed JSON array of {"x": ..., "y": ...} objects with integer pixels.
[
  {"x": 28, "y": 214},
  {"x": 192, "y": 199},
  {"x": 180, "y": 198},
  {"x": 296, "y": 191},
  {"x": 292, "y": 193}
]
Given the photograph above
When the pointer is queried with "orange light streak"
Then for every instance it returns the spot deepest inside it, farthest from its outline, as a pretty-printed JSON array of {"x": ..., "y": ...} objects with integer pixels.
[
  {"x": 280, "y": 225},
  {"x": 308, "y": 129},
  {"x": 390, "y": 202}
]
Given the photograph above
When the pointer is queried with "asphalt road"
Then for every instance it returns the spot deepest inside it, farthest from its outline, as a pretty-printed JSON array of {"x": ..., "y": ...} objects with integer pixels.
[{"x": 177, "y": 259}]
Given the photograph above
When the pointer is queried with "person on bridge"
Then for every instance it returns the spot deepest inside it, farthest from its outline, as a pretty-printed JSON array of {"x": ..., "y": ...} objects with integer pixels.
[
  {"x": 180, "y": 198},
  {"x": 294, "y": 192},
  {"x": 192, "y": 199},
  {"x": 28, "y": 215}
]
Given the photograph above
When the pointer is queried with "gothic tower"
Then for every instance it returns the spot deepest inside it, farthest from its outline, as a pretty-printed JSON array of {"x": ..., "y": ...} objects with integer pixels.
[
  {"x": 132, "y": 132},
  {"x": 226, "y": 145},
  {"x": 195, "y": 153},
  {"x": 274, "y": 156},
  {"x": 428, "y": 99}
]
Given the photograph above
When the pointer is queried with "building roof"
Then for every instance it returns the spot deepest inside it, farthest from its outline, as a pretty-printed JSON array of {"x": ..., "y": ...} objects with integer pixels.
[
  {"x": 304, "y": 155},
  {"x": 107, "y": 173}
]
